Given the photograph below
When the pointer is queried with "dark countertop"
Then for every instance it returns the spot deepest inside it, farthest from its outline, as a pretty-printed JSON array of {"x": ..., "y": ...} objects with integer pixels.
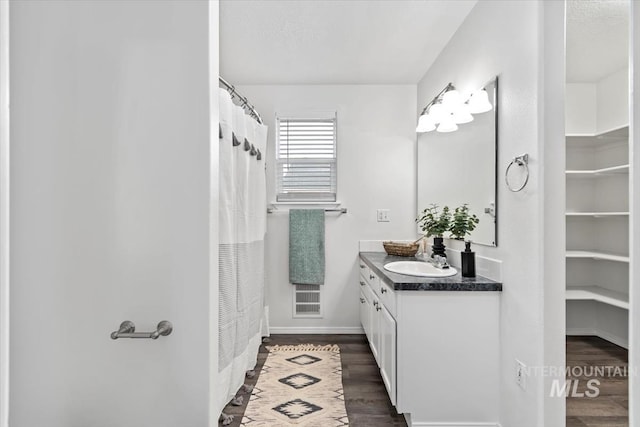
[{"x": 402, "y": 282}]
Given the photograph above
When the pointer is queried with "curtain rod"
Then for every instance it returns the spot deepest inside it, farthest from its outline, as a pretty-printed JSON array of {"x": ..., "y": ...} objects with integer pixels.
[{"x": 243, "y": 99}]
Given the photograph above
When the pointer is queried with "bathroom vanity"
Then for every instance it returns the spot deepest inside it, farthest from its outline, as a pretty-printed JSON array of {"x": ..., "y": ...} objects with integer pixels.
[{"x": 435, "y": 340}]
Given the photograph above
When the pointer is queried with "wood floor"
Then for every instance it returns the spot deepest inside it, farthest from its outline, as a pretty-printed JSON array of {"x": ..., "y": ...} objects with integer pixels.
[
  {"x": 611, "y": 407},
  {"x": 368, "y": 404},
  {"x": 365, "y": 396}
]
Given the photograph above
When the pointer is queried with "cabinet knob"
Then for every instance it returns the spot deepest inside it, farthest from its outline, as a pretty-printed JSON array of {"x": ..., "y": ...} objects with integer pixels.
[
  {"x": 362, "y": 300},
  {"x": 382, "y": 290},
  {"x": 361, "y": 265},
  {"x": 378, "y": 308},
  {"x": 362, "y": 283},
  {"x": 371, "y": 276},
  {"x": 375, "y": 303}
]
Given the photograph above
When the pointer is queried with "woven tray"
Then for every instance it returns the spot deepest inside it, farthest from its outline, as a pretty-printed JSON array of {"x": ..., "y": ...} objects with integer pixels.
[{"x": 400, "y": 249}]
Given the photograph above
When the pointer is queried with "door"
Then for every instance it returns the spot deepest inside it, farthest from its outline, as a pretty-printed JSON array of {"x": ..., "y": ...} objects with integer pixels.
[
  {"x": 365, "y": 313},
  {"x": 111, "y": 184},
  {"x": 374, "y": 340},
  {"x": 388, "y": 352},
  {"x": 4, "y": 213}
]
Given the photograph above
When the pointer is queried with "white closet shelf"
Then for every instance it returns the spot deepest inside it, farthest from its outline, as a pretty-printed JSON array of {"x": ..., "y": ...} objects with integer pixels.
[
  {"x": 597, "y": 255},
  {"x": 598, "y": 293},
  {"x": 597, "y": 214},
  {"x": 618, "y": 132},
  {"x": 613, "y": 170}
]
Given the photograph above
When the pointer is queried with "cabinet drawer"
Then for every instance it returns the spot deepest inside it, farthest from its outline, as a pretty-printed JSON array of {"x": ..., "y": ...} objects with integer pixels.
[
  {"x": 368, "y": 292},
  {"x": 364, "y": 270},
  {"x": 362, "y": 281},
  {"x": 372, "y": 280}
]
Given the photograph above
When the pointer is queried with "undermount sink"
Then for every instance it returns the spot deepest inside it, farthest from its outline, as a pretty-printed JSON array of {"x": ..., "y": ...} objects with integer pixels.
[{"x": 419, "y": 268}]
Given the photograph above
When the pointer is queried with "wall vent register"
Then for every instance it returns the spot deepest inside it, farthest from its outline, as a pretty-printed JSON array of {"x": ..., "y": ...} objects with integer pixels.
[
  {"x": 306, "y": 301},
  {"x": 306, "y": 158}
]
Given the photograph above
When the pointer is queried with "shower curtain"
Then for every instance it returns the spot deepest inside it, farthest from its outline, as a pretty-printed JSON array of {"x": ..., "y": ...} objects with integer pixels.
[{"x": 241, "y": 248}]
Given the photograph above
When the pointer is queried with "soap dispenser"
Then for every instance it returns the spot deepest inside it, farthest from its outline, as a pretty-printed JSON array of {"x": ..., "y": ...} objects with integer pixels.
[{"x": 468, "y": 261}]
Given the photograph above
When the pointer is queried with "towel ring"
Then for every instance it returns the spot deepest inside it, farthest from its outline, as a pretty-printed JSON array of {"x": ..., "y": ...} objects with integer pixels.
[{"x": 520, "y": 161}]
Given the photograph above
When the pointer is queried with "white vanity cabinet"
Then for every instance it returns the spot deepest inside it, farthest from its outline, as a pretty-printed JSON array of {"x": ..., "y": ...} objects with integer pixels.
[
  {"x": 377, "y": 303},
  {"x": 365, "y": 313},
  {"x": 387, "y": 359},
  {"x": 437, "y": 350}
]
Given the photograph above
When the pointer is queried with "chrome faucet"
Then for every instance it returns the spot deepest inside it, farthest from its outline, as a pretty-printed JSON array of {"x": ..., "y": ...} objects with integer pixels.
[{"x": 439, "y": 261}]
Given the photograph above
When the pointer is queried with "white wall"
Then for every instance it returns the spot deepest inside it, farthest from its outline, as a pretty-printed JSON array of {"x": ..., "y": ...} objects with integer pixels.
[
  {"x": 376, "y": 169},
  {"x": 552, "y": 212},
  {"x": 4, "y": 214},
  {"x": 110, "y": 181},
  {"x": 613, "y": 101},
  {"x": 514, "y": 50},
  {"x": 598, "y": 107},
  {"x": 634, "y": 219},
  {"x": 580, "y": 114}
]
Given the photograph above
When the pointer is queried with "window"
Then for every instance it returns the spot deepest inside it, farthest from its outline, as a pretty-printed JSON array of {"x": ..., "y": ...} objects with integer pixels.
[{"x": 306, "y": 159}]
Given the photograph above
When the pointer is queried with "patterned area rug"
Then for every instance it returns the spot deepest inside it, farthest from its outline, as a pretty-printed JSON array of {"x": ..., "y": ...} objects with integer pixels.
[{"x": 299, "y": 385}]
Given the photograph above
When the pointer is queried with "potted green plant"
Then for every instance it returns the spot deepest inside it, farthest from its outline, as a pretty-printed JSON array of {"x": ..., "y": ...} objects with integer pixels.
[
  {"x": 462, "y": 223},
  {"x": 434, "y": 222}
]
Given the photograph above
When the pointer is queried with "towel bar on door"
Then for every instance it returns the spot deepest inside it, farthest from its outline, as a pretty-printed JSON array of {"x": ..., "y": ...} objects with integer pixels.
[{"x": 128, "y": 330}]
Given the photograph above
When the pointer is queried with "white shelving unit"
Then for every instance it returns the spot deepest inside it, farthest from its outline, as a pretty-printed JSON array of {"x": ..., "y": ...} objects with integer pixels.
[
  {"x": 611, "y": 170},
  {"x": 597, "y": 256},
  {"x": 597, "y": 216},
  {"x": 598, "y": 293}
]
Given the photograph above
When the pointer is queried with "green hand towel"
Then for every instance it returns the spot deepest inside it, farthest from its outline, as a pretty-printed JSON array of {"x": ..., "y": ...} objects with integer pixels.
[{"x": 306, "y": 246}]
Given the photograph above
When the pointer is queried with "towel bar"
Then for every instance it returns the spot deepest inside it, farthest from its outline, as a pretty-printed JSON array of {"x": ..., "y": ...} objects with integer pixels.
[
  {"x": 341, "y": 210},
  {"x": 128, "y": 330}
]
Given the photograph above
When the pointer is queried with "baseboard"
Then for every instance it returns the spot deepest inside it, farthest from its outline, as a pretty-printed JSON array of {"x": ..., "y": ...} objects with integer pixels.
[
  {"x": 407, "y": 418},
  {"x": 622, "y": 342},
  {"x": 316, "y": 330},
  {"x": 455, "y": 424}
]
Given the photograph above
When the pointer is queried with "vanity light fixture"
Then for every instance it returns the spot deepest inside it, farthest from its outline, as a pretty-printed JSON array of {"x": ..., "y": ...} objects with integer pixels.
[
  {"x": 425, "y": 124},
  {"x": 479, "y": 102},
  {"x": 462, "y": 115},
  {"x": 437, "y": 112},
  {"x": 448, "y": 109},
  {"x": 447, "y": 124}
]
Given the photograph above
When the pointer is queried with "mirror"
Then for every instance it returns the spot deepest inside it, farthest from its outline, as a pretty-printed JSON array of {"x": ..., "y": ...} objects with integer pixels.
[{"x": 460, "y": 167}]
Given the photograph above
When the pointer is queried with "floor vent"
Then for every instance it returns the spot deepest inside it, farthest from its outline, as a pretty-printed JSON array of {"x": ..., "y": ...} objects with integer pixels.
[{"x": 306, "y": 301}]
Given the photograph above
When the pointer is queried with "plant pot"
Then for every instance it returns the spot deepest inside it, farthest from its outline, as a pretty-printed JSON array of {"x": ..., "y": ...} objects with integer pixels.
[{"x": 438, "y": 247}]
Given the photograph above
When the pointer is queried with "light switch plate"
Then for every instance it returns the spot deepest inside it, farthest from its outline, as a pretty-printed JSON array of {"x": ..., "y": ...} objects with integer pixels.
[
  {"x": 383, "y": 215},
  {"x": 521, "y": 374}
]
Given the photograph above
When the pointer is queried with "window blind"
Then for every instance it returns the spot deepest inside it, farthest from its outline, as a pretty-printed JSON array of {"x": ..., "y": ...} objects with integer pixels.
[{"x": 306, "y": 159}]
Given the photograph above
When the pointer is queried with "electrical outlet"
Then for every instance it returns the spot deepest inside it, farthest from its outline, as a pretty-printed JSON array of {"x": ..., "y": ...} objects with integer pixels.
[
  {"x": 383, "y": 215},
  {"x": 521, "y": 374}
]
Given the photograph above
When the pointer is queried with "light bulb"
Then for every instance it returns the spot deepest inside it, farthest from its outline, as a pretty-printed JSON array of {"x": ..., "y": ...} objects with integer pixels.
[
  {"x": 452, "y": 99},
  {"x": 425, "y": 124},
  {"x": 437, "y": 112},
  {"x": 479, "y": 102},
  {"x": 447, "y": 124},
  {"x": 462, "y": 115}
]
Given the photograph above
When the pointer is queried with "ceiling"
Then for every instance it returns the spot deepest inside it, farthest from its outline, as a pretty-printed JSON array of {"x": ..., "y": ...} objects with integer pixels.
[
  {"x": 334, "y": 41},
  {"x": 597, "y": 38}
]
